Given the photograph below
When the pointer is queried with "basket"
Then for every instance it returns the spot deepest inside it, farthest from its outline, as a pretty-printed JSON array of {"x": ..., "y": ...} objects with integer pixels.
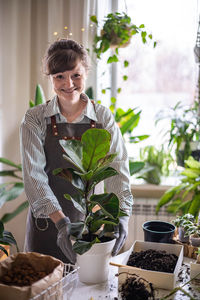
[{"x": 62, "y": 289}]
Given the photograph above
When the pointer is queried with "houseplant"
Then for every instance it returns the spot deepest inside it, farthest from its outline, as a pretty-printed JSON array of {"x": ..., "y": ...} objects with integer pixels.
[
  {"x": 182, "y": 222},
  {"x": 184, "y": 130},
  {"x": 13, "y": 188},
  {"x": 157, "y": 163},
  {"x": 6, "y": 239},
  {"x": 185, "y": 197},
  {"x": 91, "y": 161}
]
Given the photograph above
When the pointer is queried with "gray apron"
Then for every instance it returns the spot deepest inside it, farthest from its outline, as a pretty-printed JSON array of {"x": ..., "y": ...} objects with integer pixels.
[{"x": 41, "y": 233}]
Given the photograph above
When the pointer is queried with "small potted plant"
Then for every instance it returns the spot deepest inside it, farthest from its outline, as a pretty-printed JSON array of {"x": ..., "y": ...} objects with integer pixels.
[
  {"x": 182, "y": 223},
  {"x": 193, "y": 230},
  {"x": 90, "y": 160}
]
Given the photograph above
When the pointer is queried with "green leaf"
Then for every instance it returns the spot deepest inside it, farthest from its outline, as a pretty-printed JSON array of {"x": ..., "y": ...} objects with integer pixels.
[
  {"x": 73, "y": 150},
  {"x": 96, "y": 144},
  {"x": 125, "y": 77},
  {"x": 78, "y": 202},
  {"x": 129, "y": 123},
  {"x": 166, "y": 198},
  {"x": 191, "y": 173},
  {"x": 101, "y": 175},
  {"x": 195, "y": 205},
  {"x": 71, "y": 176},
  {"x": 126, "y": 63},
  {"x": 119, "y": 90},
  {"x": 10, "y": 173},
  {"x": 109, "y": 203},
  {"x": 103, "y": 91},
  {"x": 94, "y": 19},
  {"x": 96, "y": 224},
  {"x": 81, "y": 247},
  {"x": 10, "y": 163},
  {"x": 113, "y": 100},
  {"x": 15, "y": 191},
  {"x": 9, "y": 216},
  {"x": 106, "y": 160},
  {"x": 135, "y": 166},
  {"x": 141, "y": 26},
  {"x": 39, "y": 95},
  {"x": 192, "y": 163},
  {"x": 138, "y": 138},
  {"x": 1, "y": 228},
  {"x": 112, "y": 59}
]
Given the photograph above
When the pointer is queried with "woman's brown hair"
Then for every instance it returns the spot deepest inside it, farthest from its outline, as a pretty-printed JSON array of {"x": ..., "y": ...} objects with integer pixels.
[{"x": 63, "y": 55}]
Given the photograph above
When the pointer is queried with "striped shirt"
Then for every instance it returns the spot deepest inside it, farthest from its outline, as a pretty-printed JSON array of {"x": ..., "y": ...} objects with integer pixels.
[{"x": 32, "y": 137}]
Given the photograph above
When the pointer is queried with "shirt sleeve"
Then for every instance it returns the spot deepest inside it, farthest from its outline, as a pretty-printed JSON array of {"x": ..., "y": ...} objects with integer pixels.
[
  {"x": 39, "y": 194},
  {"x": 119, "y": 184}
]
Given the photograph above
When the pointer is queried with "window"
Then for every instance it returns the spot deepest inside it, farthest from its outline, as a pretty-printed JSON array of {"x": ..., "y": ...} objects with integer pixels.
[{"x": 158, "y": 78}]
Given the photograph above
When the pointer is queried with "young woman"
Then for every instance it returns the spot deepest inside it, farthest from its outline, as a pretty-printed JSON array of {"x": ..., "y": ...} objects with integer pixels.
[{"x": 67, "y": 116}]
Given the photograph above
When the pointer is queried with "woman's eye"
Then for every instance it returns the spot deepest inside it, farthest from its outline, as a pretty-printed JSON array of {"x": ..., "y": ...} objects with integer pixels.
[
  {"x": 76, "y": 75},
  {"x": 59, "y": 76}
]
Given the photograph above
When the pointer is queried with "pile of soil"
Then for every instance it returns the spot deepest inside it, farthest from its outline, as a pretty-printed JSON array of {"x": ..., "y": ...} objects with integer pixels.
[
  {"x": 137, "y": 288},
  {"x": 21, "y": 275},
  {"x": 153, "y": 260}
]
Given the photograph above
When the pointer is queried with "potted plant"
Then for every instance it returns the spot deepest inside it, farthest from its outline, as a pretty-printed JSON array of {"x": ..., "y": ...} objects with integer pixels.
[
  {"x": 6, "y": 240},
  {"x": 184, "y": 130},
  {"x": 182, "y": 223},
  {"x": 117, "y": 32},
  {"x": 184, "y": 198},
  {"x": 101, "y": 212},
  {"x": 193, "y": 230},
  {"x": 157, "y": 163}
]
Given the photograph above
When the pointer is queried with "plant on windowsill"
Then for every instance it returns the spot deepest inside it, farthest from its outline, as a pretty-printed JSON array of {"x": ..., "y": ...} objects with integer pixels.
[
  {"x": 157, "y": 163},
  {"x": 185, "y": 197},
  {"x": 13, "y": 188},
  {"x": 184, "y": 132},
  {"x": 90, "y": 160}
]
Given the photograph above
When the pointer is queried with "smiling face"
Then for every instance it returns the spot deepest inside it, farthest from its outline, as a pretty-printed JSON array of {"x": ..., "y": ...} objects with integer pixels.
[{"x": 70, "y": 84}]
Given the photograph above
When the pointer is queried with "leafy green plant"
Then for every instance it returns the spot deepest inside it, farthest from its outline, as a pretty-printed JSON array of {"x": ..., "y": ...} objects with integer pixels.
[
  {"x": 157, "y": 164},
  {"x": 176, "y": 197},
  {"x": 117, "y": 32},
  {"x": 13, "y": 188},
  {"x": 6, "y": 238},
  {"x": 184, "y": 128},
  {"x": 182, "y": 221},
  {"x": 91, "y": 162}
]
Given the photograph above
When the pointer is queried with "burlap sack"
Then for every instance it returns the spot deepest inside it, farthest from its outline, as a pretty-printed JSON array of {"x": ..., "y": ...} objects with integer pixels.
[{"x": 39, "y": 262}]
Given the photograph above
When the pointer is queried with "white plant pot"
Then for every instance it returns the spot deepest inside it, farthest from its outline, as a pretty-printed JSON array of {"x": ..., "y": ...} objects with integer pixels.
[{"x": 94, "y": 264}]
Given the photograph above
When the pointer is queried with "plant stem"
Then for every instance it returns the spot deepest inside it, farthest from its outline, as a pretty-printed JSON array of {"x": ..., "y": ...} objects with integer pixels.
[{"x": 180, "y": 288}]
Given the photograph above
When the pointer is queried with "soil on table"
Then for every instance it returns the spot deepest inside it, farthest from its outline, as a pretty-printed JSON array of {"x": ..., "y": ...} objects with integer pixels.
[
  {"x": 21, "y": 275},
  {"x": 137, "y": 288},
  {"x": 153, "y": 260}
]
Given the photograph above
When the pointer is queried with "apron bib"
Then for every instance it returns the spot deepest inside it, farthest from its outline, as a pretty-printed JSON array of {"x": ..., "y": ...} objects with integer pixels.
[{"x": 41, "y": 233}]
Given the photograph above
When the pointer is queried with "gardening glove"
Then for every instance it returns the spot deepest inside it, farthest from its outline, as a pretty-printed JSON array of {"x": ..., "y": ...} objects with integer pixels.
[
  {"x": 63, "y": 240},
  {"x": 121, "y": 234}
]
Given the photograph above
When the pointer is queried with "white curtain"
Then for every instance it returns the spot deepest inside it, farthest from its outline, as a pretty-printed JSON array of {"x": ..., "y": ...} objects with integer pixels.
[{"x": 27, "y": 27}]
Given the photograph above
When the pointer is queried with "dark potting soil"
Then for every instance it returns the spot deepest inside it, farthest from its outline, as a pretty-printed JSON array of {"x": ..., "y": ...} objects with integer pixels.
[
  {"x": 91, "y": 237},
  {"x": 137, "y": 288},
  {"x": 153, "y": 260}
]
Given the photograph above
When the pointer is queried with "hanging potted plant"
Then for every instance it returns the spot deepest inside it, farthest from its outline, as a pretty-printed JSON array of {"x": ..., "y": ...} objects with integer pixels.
[
  {"x": 116, "y": 33},
  {"x": 101, "y": 212}
]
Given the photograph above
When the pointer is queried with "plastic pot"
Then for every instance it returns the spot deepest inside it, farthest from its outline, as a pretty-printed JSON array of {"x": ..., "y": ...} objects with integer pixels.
[{"x": 158, "y": 232}]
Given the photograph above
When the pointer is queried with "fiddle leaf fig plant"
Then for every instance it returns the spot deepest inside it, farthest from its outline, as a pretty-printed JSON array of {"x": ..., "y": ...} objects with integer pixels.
[{"x": 91, "y": 165}]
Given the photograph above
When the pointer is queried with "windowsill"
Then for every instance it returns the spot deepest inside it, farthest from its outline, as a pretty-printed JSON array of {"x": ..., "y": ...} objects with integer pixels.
[{"x": 148, "y": 190}]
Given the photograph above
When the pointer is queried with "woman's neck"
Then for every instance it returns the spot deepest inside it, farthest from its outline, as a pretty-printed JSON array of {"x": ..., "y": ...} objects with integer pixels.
[{"x": 71, "y": 110}]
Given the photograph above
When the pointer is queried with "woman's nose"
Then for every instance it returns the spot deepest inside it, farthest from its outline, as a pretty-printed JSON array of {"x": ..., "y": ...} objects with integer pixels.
[{"x": 69, "y": 82}]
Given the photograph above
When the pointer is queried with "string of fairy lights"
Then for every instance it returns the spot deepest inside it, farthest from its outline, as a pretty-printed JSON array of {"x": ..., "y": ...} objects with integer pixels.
[{"x": 70, "y": 33}]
